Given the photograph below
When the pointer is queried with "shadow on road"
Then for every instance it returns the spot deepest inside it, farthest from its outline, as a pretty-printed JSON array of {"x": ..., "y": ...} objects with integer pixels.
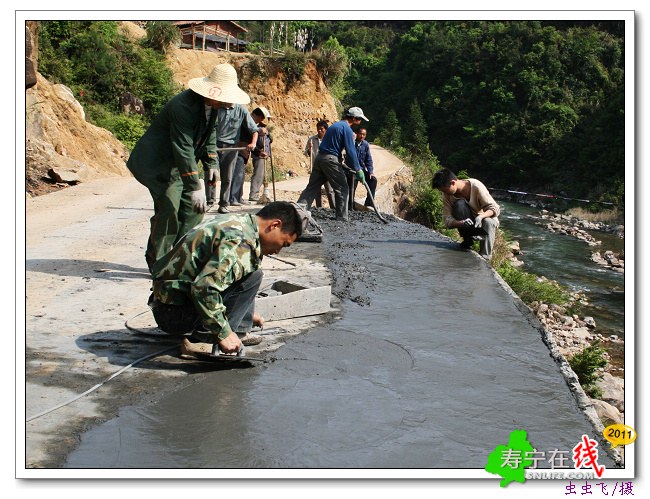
[
  {"x": 122, "y": 347},
  {"x": 86, "y": 268}
]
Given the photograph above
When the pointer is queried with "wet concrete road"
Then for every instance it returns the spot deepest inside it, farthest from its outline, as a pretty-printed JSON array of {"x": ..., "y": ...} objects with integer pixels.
[{"x": 430, "y": 366}]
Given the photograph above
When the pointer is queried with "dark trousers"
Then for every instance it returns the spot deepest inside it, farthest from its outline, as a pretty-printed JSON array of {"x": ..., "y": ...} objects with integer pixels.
[
  {"x": 237, "y": 184},
  {"x": 372, "y": 185},
  {"x": 460, "y": 211},
  {"x": 327, "y": 168},
  {"x": 227, "y": 162},
  {"x": 352, "y": 186},
  {"x": 239, "y": 300}
]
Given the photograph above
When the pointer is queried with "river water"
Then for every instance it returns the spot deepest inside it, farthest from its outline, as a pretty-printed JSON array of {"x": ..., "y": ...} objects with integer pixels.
[{"x": 568, "y": 261}]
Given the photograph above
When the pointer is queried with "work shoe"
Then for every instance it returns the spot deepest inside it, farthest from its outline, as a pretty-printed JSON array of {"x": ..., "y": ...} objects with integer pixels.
[
  {"x": 248, "y": 339},
  {"x": 223, "y": 209},
  {"x": 191, "y": 350}
]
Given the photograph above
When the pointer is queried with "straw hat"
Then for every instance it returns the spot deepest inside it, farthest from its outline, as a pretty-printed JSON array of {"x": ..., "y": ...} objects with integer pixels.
[{"x": 221, "y": 85}]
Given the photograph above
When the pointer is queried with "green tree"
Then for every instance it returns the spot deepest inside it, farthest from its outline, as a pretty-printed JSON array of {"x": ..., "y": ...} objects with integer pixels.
[
  {"x": 512, "y": 100},
  {"x": 161, "y": 36},
  {"x": 416, "y": 136},
  {"x": 293, "y": 64},
  {"x": 390, "y": 134},
  {"x": 332, "y": 61},
  {"x": 99, "y": 65}
]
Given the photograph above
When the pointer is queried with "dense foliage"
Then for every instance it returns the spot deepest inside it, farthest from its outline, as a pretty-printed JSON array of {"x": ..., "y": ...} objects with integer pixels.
[
  {"x": 528, "y": 105},
  {"x": 524, "y": 105},
  {"x": 530, "y": 287},
  {"x": 100, "y": 65},
  {"x": 519, "y": 104}
]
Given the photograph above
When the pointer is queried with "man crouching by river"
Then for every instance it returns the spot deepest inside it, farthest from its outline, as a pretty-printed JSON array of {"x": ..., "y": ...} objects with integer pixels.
[
  {"x": 206, "y": 285},
  {"x": 468, "y": 207}
]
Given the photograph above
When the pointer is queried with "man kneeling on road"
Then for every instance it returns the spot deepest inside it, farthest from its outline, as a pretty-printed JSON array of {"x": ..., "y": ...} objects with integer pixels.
[
  {"x": 206, "y": 285},
  {"x": 468, "y": 207}
]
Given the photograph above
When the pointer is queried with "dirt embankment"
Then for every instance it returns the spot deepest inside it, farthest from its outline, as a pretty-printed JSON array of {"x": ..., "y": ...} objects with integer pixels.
[{"x": 63, "y": 149}]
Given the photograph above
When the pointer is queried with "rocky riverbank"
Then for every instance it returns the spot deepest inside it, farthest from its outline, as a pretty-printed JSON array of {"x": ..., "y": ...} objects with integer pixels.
[
  {"x": 611, "y": 260},
  {"x": 572, "y": 334}
]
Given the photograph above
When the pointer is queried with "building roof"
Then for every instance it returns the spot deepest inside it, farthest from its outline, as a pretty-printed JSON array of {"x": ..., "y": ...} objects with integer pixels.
[{"x": 189, "y": 23}]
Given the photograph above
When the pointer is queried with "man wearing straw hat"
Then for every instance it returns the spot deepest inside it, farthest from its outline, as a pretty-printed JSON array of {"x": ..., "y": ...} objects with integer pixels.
[{"x": 165, "y": 158}]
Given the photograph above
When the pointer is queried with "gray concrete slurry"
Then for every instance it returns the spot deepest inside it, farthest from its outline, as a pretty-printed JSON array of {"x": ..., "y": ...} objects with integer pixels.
[{"x": 430, "y": 366}]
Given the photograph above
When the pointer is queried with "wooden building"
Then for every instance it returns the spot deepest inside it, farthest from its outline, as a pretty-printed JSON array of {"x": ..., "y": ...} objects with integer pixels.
[{"x": 212, "y": 35}]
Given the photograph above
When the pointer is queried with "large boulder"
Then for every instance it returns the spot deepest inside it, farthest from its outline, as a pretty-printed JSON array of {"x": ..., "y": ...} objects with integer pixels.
[
  {"x": 613, "y": 389},
  {"x": 607, "y": 413},
  {"x": 30, "y": 56}
]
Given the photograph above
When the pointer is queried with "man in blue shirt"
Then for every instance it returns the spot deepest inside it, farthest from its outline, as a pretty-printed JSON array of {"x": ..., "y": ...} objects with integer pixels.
[{"x": 328, "y": 163}]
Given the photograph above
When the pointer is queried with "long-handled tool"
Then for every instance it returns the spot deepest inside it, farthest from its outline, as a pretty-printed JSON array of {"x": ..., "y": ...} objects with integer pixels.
[
  {"x": 222, "y": 149},
  {"x": 272, "y": 175},
  {"x": 372, "y": 199}
]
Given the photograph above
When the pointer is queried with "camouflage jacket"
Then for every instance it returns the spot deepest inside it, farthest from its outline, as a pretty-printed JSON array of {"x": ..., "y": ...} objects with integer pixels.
[{"x": 207, "y": 260}]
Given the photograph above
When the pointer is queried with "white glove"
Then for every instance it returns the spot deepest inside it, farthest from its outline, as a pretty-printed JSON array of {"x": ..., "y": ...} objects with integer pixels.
[
  {"x": 478, "y": 222},
  {"x": 197, "y": 198},
  {"x": 468, "y": 222},
  {"x": 212, "y": 176}
]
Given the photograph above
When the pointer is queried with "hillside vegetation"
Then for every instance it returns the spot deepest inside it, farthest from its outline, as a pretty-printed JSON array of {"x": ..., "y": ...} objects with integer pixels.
[
  {"x": 524, "y": 105},
  {"x": 89, "y": 110}
]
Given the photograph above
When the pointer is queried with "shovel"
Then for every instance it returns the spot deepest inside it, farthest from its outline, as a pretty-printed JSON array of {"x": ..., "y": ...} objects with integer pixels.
[
  {"x": 272, "y": 176},
  {"x": 372, "y": 199}
]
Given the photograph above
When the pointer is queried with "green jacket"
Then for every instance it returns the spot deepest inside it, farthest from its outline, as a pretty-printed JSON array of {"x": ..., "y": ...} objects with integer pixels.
[
  {"x": 207, "y": 260},
  {"x": 178, "y": 137}
]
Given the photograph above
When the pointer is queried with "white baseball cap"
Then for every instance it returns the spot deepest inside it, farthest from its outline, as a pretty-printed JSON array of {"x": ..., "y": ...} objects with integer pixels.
[{"x": 356, "y": 112}]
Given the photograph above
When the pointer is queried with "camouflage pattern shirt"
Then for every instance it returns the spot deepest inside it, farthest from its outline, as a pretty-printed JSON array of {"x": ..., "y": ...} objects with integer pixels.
[{"x": 205, "y": 262}]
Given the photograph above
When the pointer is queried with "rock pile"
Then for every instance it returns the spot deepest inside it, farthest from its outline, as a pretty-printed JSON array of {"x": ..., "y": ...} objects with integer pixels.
[
  {"x": 611, "y": 260},
  {"x": 572, "y": 228},
  {"x": 576, "y": 227},
  {"x": 573, "y": 334}
]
